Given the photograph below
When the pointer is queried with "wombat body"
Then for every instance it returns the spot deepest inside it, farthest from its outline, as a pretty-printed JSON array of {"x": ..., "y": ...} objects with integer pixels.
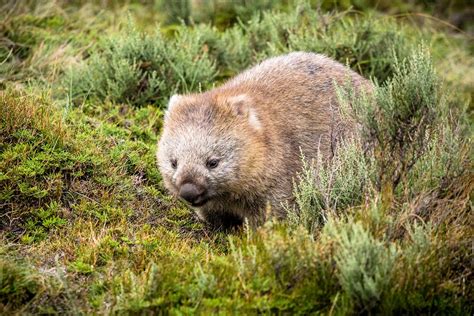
[{"x": 235, "y": 150}]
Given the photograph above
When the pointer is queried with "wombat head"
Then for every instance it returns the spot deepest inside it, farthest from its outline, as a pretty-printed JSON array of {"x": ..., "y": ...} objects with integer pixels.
[{"x": 208, "y": 146}]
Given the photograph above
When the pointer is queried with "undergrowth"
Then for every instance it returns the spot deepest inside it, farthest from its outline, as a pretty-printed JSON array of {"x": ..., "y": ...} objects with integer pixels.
[
  {"x": 86, "y": 226},
  {"x": 142, "y": 68}
]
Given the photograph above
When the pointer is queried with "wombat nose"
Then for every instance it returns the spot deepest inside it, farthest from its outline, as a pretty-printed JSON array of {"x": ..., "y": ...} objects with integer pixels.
[{"x": 190, "y": 192}]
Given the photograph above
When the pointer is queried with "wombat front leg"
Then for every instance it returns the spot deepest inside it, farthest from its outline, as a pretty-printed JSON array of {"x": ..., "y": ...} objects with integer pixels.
[{"x": 220, "y": 220}]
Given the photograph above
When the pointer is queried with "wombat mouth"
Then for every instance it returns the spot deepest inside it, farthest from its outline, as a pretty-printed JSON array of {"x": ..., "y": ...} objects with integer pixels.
[{"x": 200, "y": 203}]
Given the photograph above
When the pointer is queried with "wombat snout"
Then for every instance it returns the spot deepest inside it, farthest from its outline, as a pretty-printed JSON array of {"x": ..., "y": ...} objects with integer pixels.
[{"x": 195, "y": 195}]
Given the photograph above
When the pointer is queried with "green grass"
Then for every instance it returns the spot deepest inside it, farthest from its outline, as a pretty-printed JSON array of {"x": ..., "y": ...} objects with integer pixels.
[{"x": 86, "y": 226}]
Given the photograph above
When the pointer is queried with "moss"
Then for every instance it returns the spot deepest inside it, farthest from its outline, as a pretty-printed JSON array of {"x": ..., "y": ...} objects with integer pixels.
[{"x": 17, "y": 285}]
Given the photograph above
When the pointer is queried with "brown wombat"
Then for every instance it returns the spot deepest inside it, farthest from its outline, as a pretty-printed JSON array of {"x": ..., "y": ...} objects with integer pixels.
[{"x": 232, "y": 151}]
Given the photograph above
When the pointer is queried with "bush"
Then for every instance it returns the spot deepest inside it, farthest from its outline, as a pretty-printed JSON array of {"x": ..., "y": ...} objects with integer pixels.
[
  {"x": 139, "y": 69},
  {"x": 364, "y": 264},
  {"x": 400, "y": 117},
  {"x": 370, "y": 48},
  {"x": 221, "y": 13},
  {"x": 325, "y": 189}
]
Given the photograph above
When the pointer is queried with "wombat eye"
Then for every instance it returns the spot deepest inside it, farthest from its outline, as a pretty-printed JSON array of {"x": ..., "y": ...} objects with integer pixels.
[
  {"x": 174, "y": 163},
  {"x": 212, "y": 163}
]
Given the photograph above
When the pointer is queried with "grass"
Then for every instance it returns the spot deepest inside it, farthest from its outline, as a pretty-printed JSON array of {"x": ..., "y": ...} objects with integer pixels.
[{"x": 86, "y": 226}]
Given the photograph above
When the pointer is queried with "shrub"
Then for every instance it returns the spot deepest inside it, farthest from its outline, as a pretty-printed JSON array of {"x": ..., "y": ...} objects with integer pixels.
[
  {"x": 221, "y": 13},
  {"x": 365, "y": 43},
  {"x": 139, "y": 69},
  {"x": 400, "y": 117},
  {"x": 445, "y": 162},
  {"x": 324, "y": 189},
  {"x": 364, "y": 264}
]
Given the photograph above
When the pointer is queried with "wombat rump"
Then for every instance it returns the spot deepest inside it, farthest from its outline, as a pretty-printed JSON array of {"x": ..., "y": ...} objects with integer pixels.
[{"x": 233, "y": 153}]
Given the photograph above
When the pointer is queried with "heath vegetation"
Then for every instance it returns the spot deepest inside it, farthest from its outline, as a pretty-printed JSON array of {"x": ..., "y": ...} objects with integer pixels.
[{"x": 86, "y": 226}]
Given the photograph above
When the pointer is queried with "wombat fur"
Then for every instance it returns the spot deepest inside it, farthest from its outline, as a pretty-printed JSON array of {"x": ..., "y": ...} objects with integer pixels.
[{"x": 234, "y": 152}]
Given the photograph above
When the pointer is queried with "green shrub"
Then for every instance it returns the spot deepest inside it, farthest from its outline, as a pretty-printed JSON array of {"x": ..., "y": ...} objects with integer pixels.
[
  {"x": 327, "y": 188},
  {"x": 400, "y": 117},
  {"x": 364, "y": 264},
  {"x": 366, "y": 43},
  {"x": 424, "y": 273},
  {"x": 176, "y": 11},
  {"x": 445, "y": 162},
  {"x": 220, "y": 13},
  {"x": 139, "y": 69}
]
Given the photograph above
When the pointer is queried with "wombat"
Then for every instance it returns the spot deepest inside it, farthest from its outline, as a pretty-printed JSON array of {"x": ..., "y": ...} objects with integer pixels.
[{"x": 234, "y": 152}]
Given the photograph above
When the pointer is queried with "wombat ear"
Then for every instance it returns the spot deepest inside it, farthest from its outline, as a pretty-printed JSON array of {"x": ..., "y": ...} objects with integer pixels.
[
  {"x": 242, "y": 106},
  {"x": 173, "y": 101}
]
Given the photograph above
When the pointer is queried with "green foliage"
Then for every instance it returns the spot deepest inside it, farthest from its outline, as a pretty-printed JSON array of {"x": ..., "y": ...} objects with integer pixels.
[
  {"x": 140, "y": 69},
  {"x": 445, "y": 161},
  {"x": 425, "y": 257},
  {"x": 400, "y": 117},
  {"x": 367, "y": 44},
  {"x": 176, "y": 11},
  {"x": 41, "y": 221},
  {"x": 223, "y": 13},
  {"x": 21, "y": 284},
  {"x": 230, "y": 282},
  {"x": 325, "y": 188},
  {"x": 220, "y": 13},
  {"x": 365, "y": 264},
  {"x": 36, "y": 164},
  {"x": 44, "y": 169},
  {"x": 81, "y": 267},
  {"x": 370, "y": 49},
  {"x": 17, "y": 284}
]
